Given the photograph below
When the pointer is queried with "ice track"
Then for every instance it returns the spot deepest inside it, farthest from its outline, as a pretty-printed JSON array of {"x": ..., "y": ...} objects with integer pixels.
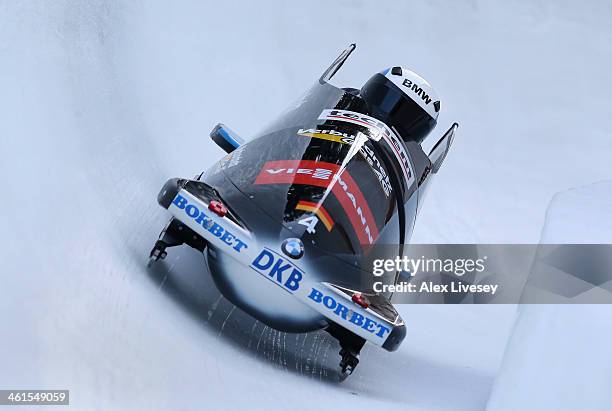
[{"x": 102, "y": 101}]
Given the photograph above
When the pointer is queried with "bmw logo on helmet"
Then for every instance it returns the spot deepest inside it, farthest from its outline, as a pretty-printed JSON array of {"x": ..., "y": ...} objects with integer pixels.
[{"x": 293, "y": 247}]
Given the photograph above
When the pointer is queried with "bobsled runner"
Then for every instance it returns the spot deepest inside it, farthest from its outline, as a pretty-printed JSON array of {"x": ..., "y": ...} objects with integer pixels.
[{"x": 288, "y": 220}]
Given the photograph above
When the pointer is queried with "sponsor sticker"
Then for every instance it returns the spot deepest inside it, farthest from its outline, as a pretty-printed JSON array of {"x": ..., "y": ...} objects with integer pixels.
[
  {"x": 329, "y": 135},
  {"x": 278, "y": 269},
  {"x": 379, "y": 171},
  {"x": 379, "y": 130},
  {"x": 417, "y": 89},
  {"x": 343, "y": 312},
  {"x": 374, "y": 126},
  {"x": 216, "y": 229},
  {"x": 366, "y": 152},
  {"x": 322, "y": 174}
]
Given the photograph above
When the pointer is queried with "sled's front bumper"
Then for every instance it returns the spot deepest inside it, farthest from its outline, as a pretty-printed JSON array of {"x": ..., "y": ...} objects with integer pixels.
[{"x": 190, "y": 202}]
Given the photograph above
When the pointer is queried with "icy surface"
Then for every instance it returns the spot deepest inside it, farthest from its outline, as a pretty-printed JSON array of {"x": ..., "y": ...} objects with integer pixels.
[
  {"x": 581, "y": 215},
  {"x": 101, "y": 101},
  {"x": 558, "y": 357}
]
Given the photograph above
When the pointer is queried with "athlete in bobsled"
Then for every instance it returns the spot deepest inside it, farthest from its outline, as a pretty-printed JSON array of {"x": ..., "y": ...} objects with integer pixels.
[{"x": 289, "y": 220}]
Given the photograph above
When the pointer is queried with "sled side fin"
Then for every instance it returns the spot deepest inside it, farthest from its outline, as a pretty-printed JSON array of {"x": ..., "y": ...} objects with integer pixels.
[
  {"x": 335, "y": 66},
  {"x": 440, "y": 150},
  {"x": 226, "y": 138}
]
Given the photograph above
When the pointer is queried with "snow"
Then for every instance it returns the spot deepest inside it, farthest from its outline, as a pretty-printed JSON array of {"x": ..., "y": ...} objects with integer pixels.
[{"x": 103, "y": 100}]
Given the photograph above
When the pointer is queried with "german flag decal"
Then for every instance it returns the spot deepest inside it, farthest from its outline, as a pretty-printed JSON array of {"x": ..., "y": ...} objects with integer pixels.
[{"x": 318, "y": 210}]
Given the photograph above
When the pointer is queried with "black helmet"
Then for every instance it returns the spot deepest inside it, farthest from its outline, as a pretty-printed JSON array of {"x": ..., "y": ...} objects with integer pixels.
[{"x": 404, "y": 101}]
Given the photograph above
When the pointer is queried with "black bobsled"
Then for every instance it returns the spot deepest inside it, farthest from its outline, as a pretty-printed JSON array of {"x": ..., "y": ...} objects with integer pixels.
[{"x": 287, "y": 220}]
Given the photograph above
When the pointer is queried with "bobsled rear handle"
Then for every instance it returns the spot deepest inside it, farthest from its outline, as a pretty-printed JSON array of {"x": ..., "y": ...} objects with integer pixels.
[{"x": 226, "y": 138}]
